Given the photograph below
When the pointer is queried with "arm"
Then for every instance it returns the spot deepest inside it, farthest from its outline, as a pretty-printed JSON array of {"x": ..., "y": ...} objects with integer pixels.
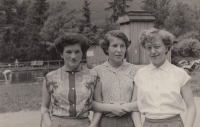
[
  {"x": 136, "y": 116},
  {"x": 190, "y": 105},
  {"x": 98, "y": 98},
  {"x": 102, "y": 107},
  {"x": 46, "y": 97},
  {"x": 132, "y": 106}
]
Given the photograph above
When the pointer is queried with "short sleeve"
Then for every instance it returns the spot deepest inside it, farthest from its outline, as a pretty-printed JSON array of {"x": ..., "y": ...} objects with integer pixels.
[
  {"x": 184, "y": 77},
  {"x": 93, "y": 72},
  {"x": 136, "y": 79},
  {"x": 49, "y": 84}
]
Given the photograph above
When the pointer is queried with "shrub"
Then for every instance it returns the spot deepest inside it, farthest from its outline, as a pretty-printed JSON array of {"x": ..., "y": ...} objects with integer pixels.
[{"x": 188, "y": 48}]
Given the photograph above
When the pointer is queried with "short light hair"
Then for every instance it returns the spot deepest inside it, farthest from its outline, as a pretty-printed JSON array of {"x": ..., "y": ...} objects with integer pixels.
[
  {"x": 147, "y": 36},
  {"x": 105, "y": 43}
]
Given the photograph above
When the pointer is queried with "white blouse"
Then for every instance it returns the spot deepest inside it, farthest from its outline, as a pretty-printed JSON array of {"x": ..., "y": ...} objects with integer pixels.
[{"x": 159, "y": 90}]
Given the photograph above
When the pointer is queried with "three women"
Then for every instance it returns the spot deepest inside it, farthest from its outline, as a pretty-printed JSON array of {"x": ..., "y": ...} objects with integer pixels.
[{"x": 157, "y": 90}]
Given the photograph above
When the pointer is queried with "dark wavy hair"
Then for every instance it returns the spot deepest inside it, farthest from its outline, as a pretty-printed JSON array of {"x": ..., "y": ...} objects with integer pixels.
[
  {"x": 105, "y": 43},
  {"x": 71, "y": 39}
]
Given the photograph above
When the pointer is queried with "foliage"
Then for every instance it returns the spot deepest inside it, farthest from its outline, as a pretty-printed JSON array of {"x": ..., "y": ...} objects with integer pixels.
[
  {"x": 8, "y": 28},
  {"x": 36, "y": 17},
  {"x": 189, "y": 47},
  {"x": 181, "y": 20},
  {"x": 160, "y": 8},
  {"x": 118, "y": 7},
  {"x": 86, "y": 27},
  {"x": 61, "y": 20}
]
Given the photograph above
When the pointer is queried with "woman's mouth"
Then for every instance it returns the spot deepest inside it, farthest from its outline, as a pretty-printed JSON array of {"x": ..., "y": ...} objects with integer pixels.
[{"x": 154, "y": 56}]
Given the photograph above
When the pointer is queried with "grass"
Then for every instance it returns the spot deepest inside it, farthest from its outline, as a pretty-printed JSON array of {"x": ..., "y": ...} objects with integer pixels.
[
  {"x": 195, "y": 83},
  {"x": 15, "y": 98}
]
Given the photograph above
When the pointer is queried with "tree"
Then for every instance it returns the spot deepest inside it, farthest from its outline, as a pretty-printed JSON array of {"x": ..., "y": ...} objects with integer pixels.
[
  {"x": 181, "y": 19},
  {"x": 36, "y": 16},
  {"x": 86, "y": 13},
  {"x": 189, "y": 48},
  {"x": 8, "y": 18},
  {"x": 160, "y": 8},
  {"x": 119, "y": 8},
  {"x": 59, "y": 21},
  {"x": 86, "y": 27}
]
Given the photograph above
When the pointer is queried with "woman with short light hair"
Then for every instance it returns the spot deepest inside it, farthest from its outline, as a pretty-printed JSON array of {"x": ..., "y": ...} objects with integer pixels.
[{"x": 161, "y": 86}]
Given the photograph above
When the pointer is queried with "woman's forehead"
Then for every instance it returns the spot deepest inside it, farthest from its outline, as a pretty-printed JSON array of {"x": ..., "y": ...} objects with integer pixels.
[{"x": 154, "y": 41}]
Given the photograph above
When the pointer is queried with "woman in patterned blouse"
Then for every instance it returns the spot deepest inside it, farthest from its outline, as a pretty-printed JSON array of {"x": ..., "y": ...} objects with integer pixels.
[
  {"x": 67, "y": 91},
  {"x": 114, "y": 97}
]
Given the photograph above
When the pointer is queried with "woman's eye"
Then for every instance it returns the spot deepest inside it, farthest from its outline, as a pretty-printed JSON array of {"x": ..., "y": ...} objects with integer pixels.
[
  {"x": 157, "y": 47},
  {"x": 68, "y": 52},
  {"x": 148, "y": 48},
  {"x": 122, "y": 46},
  {"x": 77, "y": 52}
]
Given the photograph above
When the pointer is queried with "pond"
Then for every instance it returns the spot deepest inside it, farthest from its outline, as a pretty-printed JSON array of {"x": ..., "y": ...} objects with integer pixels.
[{"x": 23, "y": 77}]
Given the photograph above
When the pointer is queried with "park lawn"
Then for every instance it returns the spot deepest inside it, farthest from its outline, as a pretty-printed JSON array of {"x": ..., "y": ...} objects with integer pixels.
[
  {"x": 195, "y": 83},
  {"x": 14, "y": 98}
]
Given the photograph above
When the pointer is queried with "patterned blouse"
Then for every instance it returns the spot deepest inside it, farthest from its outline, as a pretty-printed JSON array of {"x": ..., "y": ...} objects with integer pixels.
[
  {"x": 117, "y": 84},
  {"x": 71, "y": 92}
]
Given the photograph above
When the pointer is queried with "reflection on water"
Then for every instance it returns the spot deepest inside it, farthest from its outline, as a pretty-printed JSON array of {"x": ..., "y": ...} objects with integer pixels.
[{"x": 26, "y": 76}]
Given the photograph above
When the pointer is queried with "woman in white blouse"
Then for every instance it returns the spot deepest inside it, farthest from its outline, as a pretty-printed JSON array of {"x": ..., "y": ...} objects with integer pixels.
[{"x": 162, "y": 88}]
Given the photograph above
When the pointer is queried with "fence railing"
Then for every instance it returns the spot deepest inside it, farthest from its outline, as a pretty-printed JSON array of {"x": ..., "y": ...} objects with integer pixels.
[{"x": 36, "y": 63}]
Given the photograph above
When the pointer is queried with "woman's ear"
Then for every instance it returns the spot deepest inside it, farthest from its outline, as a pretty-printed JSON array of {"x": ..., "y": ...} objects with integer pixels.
[
  {"x": 61, "y": 55},
  {"x": 106, "y": 51}
]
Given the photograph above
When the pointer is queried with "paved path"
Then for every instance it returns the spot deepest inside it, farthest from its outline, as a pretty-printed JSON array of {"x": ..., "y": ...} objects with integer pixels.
[{"x": 32, "y": 118}]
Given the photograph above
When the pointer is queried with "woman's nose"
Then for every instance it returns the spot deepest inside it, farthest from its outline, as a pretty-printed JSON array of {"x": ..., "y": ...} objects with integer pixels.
[
  {"x": 73, "y": 55},
  {"x": 118, "y": 48}
]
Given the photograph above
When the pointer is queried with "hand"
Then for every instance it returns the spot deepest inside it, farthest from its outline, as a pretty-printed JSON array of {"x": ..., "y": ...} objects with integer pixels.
[
  {"x": 118, "y": 109},
  {"x": 110, "y": 115},
  {"x": 48, "y": 124},
  {"x": 93, "y": 125}
]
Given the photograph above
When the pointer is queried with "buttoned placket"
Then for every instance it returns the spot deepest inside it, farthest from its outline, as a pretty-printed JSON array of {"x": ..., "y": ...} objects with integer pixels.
[
  {"x": 158, "y": 86},
  {"x": 72, "y": 94}
]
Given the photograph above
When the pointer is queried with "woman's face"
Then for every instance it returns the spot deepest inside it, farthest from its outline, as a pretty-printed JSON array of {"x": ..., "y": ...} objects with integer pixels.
[
  {"x": 116, "y": 50},
  {"x": 72, "y": 55},
  {"x": 156, "y": 51}
]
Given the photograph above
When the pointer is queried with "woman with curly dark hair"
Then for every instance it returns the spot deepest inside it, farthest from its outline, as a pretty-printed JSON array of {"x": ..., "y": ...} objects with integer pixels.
[{"x": 67, "y": 92}]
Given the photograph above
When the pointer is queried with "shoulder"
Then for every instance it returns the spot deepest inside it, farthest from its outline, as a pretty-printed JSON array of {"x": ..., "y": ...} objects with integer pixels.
[
  {"x": 143, "y": 69},
  {"x": 178, "y": 70},
  {"x": 52, "y": 73},
  {"x": 98, "y": 68},
  {"x": 132, "y": 67}
]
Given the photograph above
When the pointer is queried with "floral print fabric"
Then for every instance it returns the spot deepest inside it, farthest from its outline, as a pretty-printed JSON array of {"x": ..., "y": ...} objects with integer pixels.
[
  {"x": 57, "y": 83},
  {"x": 117, "y": 84}
]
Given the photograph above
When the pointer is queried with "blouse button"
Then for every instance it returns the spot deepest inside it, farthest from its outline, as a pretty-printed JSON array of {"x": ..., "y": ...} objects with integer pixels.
[
  {"x": 73, "y": 105},
  {"x": 73, "y": 88}
]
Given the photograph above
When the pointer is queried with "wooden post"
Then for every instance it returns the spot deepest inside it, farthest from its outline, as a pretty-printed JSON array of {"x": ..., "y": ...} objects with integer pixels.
[
  {"x": 132, "y": 23},
  {"x": 48, "y": 63}
]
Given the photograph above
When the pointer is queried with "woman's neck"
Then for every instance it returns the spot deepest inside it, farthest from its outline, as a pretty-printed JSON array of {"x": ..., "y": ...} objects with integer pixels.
[
  {"x": 70, "y": 68},
  {"x": 160, "y": 64},
  {"x": 114, "y": 64}
]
